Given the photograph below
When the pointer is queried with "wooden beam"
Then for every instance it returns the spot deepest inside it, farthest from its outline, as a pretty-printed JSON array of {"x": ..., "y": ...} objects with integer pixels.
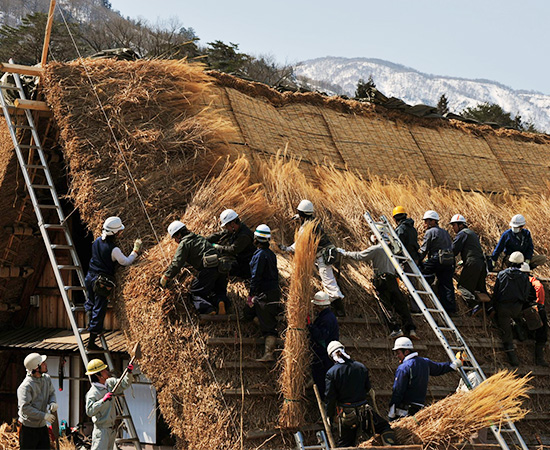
[
  {"x": 48, "y": 34},
  {"x": 35, "y": 105},
  {"x": 22, "y": 70}
]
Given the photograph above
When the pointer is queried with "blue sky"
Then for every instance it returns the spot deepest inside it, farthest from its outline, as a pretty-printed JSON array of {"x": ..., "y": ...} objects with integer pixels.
[{"x": 505, "y": 41}]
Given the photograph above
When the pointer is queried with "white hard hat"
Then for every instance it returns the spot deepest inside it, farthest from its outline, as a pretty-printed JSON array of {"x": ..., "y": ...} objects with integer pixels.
[
  {"x": 174, "y": 227},
  {"x": 430, "y": 215},
  {"x": 525, "y": 267},
  {"x": 262, "y": 233},
  {"x": 227, "y": 216},
  {"x": 333, "y": 346},
  {"x": 403, "y": 343},
  {"x": 517, "y": 258},
  {"x": 517, "y": 221},
  {"x": 112, "y": 225},
  {"x": 33, "y": 360},
  {"x": 306, "y": 207},
  {"x": 457, "y": 218},
  {"x": 321, "y": 298}
]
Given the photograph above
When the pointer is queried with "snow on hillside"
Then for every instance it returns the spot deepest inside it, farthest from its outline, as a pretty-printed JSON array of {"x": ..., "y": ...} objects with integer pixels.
[{"x": 414, "y": 87}]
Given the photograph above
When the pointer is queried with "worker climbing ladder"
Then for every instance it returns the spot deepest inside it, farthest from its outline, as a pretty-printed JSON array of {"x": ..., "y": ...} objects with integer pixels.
[
  {"x": 51, "y": 219},
  {"x": 506, "y": 433}
]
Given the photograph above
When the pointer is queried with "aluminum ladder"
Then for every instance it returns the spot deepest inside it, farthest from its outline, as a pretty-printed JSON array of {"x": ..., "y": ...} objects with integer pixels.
[
  {"x": 507, "y": 435},
  {"x": 55, "y": 232},
  {"x": 322, "y": 443}
]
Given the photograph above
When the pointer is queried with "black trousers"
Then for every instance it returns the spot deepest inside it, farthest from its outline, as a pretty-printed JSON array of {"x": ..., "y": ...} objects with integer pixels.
[
  {"x": 473, "y": 276},
  {"x": 394, "y": 301},
  {"x": 368, "y": 420},
  {"x": 541, "y": 335},
  {"x": 266, "y": 309},
  {"x": 34, "y": 438},
  {"x": 208, "y": 289},
  {"x": 505, "y": 313},
  {"x": 445, "y": 289}
]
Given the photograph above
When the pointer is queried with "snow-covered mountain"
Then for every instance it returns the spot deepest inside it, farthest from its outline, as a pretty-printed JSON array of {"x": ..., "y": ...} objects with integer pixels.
[{"x": 415, "y": 87}]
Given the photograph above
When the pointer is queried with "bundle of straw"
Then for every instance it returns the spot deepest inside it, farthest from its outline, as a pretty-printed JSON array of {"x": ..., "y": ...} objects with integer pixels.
[
  {"x": 8, "y": 437},
  {"x": 457, "y": 417},
  {"x": 296, "y": 353}
]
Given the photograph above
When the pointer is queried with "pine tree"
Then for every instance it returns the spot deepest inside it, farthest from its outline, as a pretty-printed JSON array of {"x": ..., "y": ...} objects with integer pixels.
[{"x": 443, "y": 105}]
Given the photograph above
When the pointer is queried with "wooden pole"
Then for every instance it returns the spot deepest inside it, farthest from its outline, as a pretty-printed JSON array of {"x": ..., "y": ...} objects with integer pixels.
[
  {"x": 48, "y": 34},
  {"x": 324, "y": 416}
]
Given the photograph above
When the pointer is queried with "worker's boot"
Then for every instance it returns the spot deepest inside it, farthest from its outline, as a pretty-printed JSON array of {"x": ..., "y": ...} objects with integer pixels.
[
  {"x": 270, "y": 344},
  {"x": 337, "y": 305},
  {"x": 511, "y": 354},
  {"x": 92, "y": 346},
  {"x": 539, "y": 355},
  {"x": 88, "y": 318}
]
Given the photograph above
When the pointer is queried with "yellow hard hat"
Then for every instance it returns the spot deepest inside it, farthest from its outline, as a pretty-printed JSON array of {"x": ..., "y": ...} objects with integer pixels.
[
  {"x": 398, "y": 210},
  {"x": 95, "y": 366}
]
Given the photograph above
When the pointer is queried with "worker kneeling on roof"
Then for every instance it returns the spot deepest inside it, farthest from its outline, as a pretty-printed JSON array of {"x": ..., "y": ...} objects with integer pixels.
[
  {"x": 235, "y": 243},
  {"x": 208, "y": 288},
  {"x": 100, "y": 405},
  {"x": 347, "y": 388},
  {"x": 411, "y": 379}
]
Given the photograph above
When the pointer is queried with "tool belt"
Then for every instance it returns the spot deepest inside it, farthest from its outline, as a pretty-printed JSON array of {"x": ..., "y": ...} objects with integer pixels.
[
  {"x": 532, "y": 318},
  {"x": 104, "y": 284},
  {"x": 353, "y": 416},
  {"x": 210, "y": 259},
  {"x": 446, "y": 257},
  {"x": 226, "y": 263}
]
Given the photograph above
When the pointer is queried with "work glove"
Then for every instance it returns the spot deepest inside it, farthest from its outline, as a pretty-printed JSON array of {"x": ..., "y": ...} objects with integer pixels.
[
  {"x": 456, "y": 364},
  {"x": 108, "y": 396},
  {"x": 528, "y": 261},
  {"x": 216, "y": 246},
  {"x": 391, "y": 412},
  {"x": 130, "y": 368},
  {"x": 137, "y": 245},
  {"x": 164, "y": 281},
  {"x": 52, "y": 407},
  {"x": 341, "y": 250},
  {"x": 250, "y": 301},
  {"x": 48, "y": 417},
  {"x": 282, "y": 247}
]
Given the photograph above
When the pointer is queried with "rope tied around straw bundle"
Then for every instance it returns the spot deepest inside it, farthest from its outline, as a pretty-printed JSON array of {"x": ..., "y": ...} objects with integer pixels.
[{"x": 296, "y": 354}]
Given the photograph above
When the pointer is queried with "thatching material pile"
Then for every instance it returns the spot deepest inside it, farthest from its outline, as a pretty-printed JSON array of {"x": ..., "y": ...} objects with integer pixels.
[
  {"x": 296, "y": 355},
  {"x": 454, "y": 419},
  {"x": 8, "y": 437}
]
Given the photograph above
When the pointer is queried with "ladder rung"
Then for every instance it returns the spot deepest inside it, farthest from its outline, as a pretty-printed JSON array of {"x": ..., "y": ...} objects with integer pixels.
[
  {"x": 79, "y": 308},
  {"x": 413, "y": 275},
  {"x": 54, "y": 226},
  {"x": 47, "y": 206},
  {"x": 124, "y": 440},
  {"x": 28, "y": 146},
  {"x": 61, "y": 246},
  {"x": 22, "y": 127},
  {"x": 41, "y": 186},
  {"x": 8, "y": 86},
  {"x": 446, "y": 329},
  {"x": 401, "y": 257},
  {"x": 455, "y": 348},
  {"x": 74, "y": 288},
  {"x": 67, "y": 267},
  {"x": 422, "y": 292},
  {"x": 433, "y": 310}
]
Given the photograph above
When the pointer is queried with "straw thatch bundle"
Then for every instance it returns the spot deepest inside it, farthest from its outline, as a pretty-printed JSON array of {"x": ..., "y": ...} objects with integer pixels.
[
  {"x": 8, "y": 437},
  {"x": 460, "y": 415},
  {"x": 296, "y": 355}
]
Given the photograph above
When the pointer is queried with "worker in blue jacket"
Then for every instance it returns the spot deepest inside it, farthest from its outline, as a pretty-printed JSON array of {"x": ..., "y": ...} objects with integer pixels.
[
  {"x": 322, "y": 331},
  {"x": 411, "y": 379},
  {"x": 517, "y": 239}
]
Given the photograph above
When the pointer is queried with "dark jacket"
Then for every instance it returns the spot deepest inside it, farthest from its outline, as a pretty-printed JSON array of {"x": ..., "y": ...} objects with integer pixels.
[
  {"x": 102, "y": 261},
  {"x": 347, "y": 384},
  {"x": 411, "y": 379},
  {"x": 466, "y": 242},
  {"x": 435, "y": 239},
  {"x": 239, "y": 244},
  {"x": 511, "y": 286},
  {"x": 408, "y": 236},
  {"x": 511, "y": 242},
  {"x": 322, "y": 331},
  {"x": 263, "y": 268},
  {"x": 191, "y": 249}
]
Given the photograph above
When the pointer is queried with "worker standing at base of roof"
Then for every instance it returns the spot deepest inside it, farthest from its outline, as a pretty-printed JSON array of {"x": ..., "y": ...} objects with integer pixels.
[
  {"x": 393, "y": 302},
  {"x": 322, "y": 331},
  {"x": 100, "y": 404},
  {"x": 517, "y": 239},
  {"x": 437, "y": 247},
  {"x": 347, "y": 389},
  {"x": 100, "y": 279},
  {"x": 537, "y": 297},
  {"x": 326, "y": 256},
  {"x": 510, "y": 297},
  {"x": 264, "y": 298},
  {"x": 406, "y": 232},
  {"x": 36, "y": 404},
  {"x": 208, "y": 288},
  {"x": 236, "y": 242},
  {"x": 474, "y": 268},
  {"x": 411, "y": 379}
]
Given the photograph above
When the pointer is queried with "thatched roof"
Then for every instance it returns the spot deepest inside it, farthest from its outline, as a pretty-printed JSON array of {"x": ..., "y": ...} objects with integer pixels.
[{"x": 148, "y": 141}]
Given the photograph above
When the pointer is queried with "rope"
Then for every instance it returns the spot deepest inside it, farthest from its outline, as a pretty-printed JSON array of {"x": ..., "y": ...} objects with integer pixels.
[{"x": 196, "y": 328}]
